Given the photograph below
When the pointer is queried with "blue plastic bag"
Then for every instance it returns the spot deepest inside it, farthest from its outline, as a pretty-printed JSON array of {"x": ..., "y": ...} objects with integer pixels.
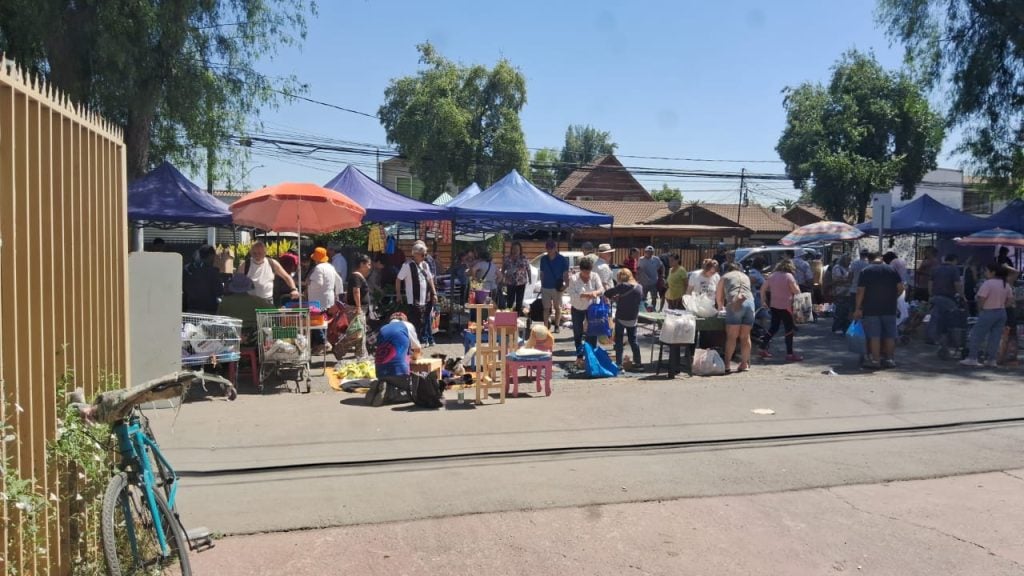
[
  {"x": 599, "y": 364},
  {"x": 597, "y": 319},
  {"x": 856, "y": 340}
]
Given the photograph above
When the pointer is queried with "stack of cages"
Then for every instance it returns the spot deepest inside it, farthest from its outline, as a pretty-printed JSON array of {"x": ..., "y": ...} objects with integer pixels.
[{"x": 209, "y": 339}]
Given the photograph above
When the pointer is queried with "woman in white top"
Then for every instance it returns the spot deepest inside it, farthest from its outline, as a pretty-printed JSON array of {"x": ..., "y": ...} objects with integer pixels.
[
  {"x": 324, "y": 284},
  {"x": 486, "y": 272},
  {"x": 705, "y": 280},
  {"x": 261, "y": 270}
]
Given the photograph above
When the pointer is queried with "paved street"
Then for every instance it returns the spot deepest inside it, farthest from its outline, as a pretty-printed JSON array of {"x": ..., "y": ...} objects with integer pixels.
[{"x": 628, "y": 447}]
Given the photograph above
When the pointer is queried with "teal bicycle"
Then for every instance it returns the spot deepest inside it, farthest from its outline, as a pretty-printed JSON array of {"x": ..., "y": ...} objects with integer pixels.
[{"x": 142, "y": 532}]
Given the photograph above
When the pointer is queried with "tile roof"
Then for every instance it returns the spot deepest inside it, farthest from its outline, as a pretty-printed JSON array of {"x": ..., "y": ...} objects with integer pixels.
[
  {"x": 605, "y": 177},
  {"x": 625, "y": 212},
  {"x": 756, "y": 218}
]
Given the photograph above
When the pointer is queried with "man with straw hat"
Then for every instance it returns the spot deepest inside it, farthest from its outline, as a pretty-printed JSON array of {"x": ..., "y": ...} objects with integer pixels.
[{"x": 601, "y": 265}]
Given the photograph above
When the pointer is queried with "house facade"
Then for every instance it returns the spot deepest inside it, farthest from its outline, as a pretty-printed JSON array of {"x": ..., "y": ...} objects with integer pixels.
[
  {"x": 603, "y": 179},
  {"x": 396, "y": 175}
]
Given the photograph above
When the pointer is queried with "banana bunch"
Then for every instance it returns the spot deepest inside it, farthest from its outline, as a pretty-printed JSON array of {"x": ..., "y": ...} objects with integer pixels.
[{"x": 357, "y": 370}]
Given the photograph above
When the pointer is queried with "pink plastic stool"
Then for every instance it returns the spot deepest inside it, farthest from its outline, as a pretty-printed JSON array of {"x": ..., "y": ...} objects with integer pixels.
[
  {"x": 542, "y": 368},
  {"x": 250, "y": 354}
]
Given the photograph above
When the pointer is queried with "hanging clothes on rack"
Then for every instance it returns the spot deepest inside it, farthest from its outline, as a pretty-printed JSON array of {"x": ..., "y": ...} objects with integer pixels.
[{"x": 377, "y": 240}]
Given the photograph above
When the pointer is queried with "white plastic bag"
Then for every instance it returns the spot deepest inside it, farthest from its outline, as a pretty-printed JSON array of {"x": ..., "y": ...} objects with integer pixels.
[
  {"x": 700, "y": 304},
  {"x": 680, "y": 327},
  {"x": 707, "y": 362}
]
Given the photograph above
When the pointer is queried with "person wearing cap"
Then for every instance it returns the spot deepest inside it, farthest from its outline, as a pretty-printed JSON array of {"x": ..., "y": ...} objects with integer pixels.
[
  {"x": 324, "y": 285},
  {"x": 601, "y": 265},
  {"x": 396, "y": 345},
  {"x": 648, "y": 270},
  {"x": 262, "y": 270},
  {"x": 238, "y": 302},
  {"x": 554, "y": 276}
]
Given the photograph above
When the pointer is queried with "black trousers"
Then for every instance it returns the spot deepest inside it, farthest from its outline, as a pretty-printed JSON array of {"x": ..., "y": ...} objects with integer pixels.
[
  {"x": 783, "y": 317},
  {"x": 418, "y": 316},
  {"x": 514, "y": 298}
]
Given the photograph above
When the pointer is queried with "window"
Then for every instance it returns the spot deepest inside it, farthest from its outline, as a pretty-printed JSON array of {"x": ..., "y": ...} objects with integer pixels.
[{"x": 411, "y": 187}]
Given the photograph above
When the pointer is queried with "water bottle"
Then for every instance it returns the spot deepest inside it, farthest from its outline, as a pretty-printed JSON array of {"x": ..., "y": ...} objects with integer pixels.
[{"x": 462, "y": 396}]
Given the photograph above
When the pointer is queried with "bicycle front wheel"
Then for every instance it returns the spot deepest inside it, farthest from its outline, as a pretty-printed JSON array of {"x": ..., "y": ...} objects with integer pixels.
[{"x": 130, "y": 540}]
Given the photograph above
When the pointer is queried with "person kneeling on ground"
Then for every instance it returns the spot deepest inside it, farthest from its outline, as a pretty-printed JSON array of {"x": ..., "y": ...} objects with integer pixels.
[{"x": 396, "y": 344}]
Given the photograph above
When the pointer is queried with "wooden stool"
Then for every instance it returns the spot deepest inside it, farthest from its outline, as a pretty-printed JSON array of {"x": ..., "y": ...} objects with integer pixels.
[{"x": 542, "y": 369}]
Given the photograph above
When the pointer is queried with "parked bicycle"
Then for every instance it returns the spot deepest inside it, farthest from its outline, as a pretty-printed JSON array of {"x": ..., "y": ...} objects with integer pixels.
[{"x": 142, "y": 532}]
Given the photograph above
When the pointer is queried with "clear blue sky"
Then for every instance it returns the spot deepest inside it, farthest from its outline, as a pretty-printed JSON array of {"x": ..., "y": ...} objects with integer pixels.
[{"x": 692, "y": 79}]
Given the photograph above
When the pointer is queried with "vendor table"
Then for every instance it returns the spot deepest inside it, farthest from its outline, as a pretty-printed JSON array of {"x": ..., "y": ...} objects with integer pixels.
[
  {"x": 655, "y": 320},
  {"x": 427, "y": 365}
]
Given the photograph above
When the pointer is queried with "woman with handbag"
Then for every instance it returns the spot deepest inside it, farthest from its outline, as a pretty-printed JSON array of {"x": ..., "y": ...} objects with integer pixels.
[
  {"x": 354, "y": 314},
  {"x": 584, "y": 289}
]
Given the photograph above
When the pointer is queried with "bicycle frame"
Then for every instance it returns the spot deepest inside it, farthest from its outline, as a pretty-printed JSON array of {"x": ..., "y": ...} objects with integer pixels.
[{"x": 133, "y": 444}]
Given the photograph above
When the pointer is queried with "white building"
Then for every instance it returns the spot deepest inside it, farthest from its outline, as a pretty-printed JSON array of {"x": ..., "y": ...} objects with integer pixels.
[{"x": 950, "y": 187}]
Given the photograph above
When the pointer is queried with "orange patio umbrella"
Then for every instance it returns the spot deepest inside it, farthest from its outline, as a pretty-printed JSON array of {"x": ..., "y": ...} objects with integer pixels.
[{"x": 297, "y": 207}]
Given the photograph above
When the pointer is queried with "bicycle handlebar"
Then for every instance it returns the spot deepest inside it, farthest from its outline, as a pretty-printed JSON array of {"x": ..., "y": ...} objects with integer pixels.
[{"x": 113, "y": 406}]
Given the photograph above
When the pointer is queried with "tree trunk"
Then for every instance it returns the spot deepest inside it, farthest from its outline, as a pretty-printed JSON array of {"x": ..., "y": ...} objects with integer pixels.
[{"x": 137, "y": 134}]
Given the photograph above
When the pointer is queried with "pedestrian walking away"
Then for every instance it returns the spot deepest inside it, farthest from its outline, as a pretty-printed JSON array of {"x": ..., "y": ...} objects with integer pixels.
[
  {"x": 778, "y": 291},
  {"x": 878, "y": 290},
  {"x": 734, "y": 295}
]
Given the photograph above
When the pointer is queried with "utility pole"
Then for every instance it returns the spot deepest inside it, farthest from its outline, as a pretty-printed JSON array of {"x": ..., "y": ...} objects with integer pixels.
[{"x": 739, "y": 205}]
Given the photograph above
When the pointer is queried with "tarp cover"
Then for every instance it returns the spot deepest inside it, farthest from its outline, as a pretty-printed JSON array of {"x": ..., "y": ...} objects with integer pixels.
[
  {"x": 165, "y": 195},
  {"x": 926, "y": 215},
  {"x": 381, "y": 203},
  {"x": 514, "y": 200},
  {"x": 1010, "y": 218},
  {"x": 464, "y": 196}
]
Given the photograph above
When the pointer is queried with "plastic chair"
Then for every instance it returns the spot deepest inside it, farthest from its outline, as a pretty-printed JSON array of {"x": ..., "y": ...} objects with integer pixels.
[{"x": 253, "y": 358}]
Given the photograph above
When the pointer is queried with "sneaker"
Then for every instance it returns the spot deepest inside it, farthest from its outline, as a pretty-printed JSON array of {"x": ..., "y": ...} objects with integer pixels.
[
  {"x": 869, "y": 364},
  {"x": 764, "y": 353},
  {"x": 794, "y": 358},
  {"x": 991, "y": 364},
  {"x": 970, "y": 362},
  {"x": 888, "y": 363}
]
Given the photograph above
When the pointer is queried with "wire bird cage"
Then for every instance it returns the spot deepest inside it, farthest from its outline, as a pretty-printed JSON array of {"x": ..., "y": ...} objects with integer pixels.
[{"x": 208, "y": 339}]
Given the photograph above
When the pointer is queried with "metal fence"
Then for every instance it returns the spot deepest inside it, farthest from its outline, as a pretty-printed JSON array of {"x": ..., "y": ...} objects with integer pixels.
[{"x": 63, "y": 303}]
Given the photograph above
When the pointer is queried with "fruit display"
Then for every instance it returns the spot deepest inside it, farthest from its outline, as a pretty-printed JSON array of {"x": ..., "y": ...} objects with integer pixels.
[{"x": 356, "y": 370}]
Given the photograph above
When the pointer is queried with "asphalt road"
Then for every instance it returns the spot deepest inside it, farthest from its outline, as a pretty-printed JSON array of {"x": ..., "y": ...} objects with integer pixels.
[{"x": 306, "y": 443}]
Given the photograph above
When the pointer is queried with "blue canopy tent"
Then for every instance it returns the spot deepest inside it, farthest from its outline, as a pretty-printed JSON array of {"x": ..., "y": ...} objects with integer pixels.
[
  {"x": 1010, "y": 218},
  {"x": 166, "y": 197},
  {"x": 464, "y": 196},
  {"x": 514, "y": 202},
  {"x": 925, "y": 215},
  {"x": 381, "y": 203}
]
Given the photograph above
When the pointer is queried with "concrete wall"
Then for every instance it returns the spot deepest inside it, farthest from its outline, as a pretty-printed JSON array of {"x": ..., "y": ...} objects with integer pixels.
[
  {"x": 944, "y": 184},
  {"x": 154, "y": 314}
]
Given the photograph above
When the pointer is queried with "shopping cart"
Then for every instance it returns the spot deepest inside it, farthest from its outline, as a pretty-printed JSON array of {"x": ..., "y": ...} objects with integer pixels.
[
  {"x": 283, "y": 342},
  {"x": 208, "y": 339}
]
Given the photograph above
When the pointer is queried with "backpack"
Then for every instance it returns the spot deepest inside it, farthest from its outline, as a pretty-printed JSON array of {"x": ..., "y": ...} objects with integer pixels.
[{"x": 427, "y": 391}]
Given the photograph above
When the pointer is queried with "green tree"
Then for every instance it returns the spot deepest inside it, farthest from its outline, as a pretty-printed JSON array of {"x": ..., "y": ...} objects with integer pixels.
[
  {"x": 786, "y": 205},
  {"x": 582, "y": 145},
  {"x": 667, "y": 194},
  {"x": 175, "y": 74},
  {"x": 867, "y": 131},
  {"x": 976, "y": 49},
  {"x": 456, "y": 122},
  {"x": 543, "y": 168}
]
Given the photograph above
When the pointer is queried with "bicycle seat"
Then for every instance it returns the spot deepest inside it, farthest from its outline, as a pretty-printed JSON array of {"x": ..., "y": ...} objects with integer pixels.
[{"x": 116, "y": 405}]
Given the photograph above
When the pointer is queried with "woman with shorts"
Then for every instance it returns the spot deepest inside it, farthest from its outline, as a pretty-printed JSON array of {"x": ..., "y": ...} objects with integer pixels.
[{"x": 733, "y": 295}]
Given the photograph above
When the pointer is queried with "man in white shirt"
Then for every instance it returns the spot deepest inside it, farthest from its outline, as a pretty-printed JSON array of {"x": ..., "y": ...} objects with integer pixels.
[
  {"x": 338, "y": 261},
  {"x": 584, "y": 289},
  {"x": 419, "y": 286},
  {"x": 602, "y": 267}
]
